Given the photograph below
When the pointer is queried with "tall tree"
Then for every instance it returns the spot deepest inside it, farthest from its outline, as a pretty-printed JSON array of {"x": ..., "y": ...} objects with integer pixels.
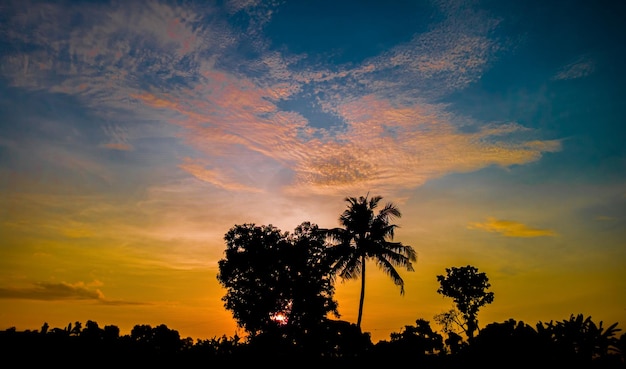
[
  {"x": 468, "y": 288},
  {"x": 368, "y": 235}
]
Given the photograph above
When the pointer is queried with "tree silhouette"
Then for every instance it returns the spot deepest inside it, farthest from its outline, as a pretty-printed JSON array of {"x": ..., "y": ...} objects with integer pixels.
[
  {"x": 419, "y": 342},
  {"x": 368, "y": 235},
  {"x": 467, "y": 287},
  {"x": 449, "y": 320},
  {"x": 576, "y": 342},
  {"x": 580, "y": 339},
  {"x": 420, "y": 339},
  {"x": 278, "y": 284},
  {"x": 498, "y": 345},
  {"x": 160, "y": 339}
]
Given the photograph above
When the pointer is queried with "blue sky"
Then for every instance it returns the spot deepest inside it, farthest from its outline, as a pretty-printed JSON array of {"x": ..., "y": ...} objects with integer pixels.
[{"x": 133, "y": 135}]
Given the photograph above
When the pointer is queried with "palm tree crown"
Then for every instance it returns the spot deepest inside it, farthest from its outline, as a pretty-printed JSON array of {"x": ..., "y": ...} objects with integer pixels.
[{"x": 366, "y": 235}]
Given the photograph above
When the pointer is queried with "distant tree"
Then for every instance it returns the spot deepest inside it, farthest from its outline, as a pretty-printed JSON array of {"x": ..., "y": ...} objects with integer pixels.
[
  {"x": 498, "y": 343},
  {"x": 223, "y": 346},
  {"x": 75, "y": 331},
  {"x": 454, "y": 342},
  {"x": 141, "y": 333},
  {"x": 452, "y": 323},
  {"x": 276, "y": 283},
  {"x": 581, "y": 340},
  {"x": 111, "y": 332},
  {"x": 166, "y": 339},
  {"x": 419, "y": 344},
  {"x": 368, "y": 235},
  {"x": 420, "y": 338},
  {"x": 468, "y": 289},
  {"x": 158, "y": 339},
  {"x": 92, "y": 331}
]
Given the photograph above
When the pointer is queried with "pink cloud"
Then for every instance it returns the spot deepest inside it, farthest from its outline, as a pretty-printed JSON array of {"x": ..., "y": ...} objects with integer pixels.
[
  {"x": 385, "y": 145},
  {"x": 402, "y": 146},
  {"x": 218, "y": 177}
]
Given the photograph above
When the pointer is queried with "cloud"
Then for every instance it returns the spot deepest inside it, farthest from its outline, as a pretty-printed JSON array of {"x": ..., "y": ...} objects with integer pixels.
[
  {"x": 53, "y": 291},
  {"x": 118, "y": 137},
  {"x": 45, "y": 291},
  {"x": 108, "y": 53},
  {"x": 451, "y": 55},
  {"x": 510, "y": 228},
  {"x": 403, "y": 146},
  {"x": 384, "y": 143},
  {"x": 579, "y": 68},
  {"x": 216, "y": 177},
  {"x": 171, "y": 65}
]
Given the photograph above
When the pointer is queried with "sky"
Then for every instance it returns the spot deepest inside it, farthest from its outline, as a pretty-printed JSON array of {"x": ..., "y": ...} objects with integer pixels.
[{"x": 135, "y": 134}]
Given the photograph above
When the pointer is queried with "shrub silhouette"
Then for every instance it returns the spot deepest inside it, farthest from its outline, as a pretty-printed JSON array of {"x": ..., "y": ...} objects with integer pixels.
[{"x": 577, "y": 342}]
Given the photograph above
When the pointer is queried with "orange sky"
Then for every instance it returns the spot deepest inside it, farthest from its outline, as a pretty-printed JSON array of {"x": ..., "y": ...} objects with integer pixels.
[{"x": 135, "y": 136}]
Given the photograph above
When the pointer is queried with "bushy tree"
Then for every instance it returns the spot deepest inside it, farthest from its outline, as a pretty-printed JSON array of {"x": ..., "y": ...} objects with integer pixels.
[
  {"x": 468, "y": 289},
  {"x": 420, "y": 338},
  {"x": 580, "y": 338},
  {"x": 276, "y": 283},
  {"x": 158, "y": 339}
]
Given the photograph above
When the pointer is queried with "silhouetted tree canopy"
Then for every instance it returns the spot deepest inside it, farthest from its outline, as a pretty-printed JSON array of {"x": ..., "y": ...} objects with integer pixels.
[
  {"x": 577, "y": 342},
  {"x": 468, "y": 289},
  {"x": 580, "y": 338},
  {"x": 277, "y": 283}
]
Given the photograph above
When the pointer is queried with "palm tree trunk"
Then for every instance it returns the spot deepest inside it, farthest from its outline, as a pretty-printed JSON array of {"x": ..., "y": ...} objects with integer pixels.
[{"x": 362, "y": 299}]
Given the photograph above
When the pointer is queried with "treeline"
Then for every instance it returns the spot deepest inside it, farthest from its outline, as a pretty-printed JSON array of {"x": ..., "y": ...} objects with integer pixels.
[
  {"x": 577, "y": 342},
  {"x": 280, "y": 290}
]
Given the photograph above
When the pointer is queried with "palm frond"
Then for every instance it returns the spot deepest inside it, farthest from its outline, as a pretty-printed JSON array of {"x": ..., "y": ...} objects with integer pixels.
[
  {"x": 397, "y": 254},
  {"x": 389, "y": 211},
  {"x": 349, "y": 268},
  {"x": 390, "y": 271}
]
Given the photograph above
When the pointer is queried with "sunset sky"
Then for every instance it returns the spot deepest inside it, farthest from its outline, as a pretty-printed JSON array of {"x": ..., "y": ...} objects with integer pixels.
[{"x": 135, "y": 134}]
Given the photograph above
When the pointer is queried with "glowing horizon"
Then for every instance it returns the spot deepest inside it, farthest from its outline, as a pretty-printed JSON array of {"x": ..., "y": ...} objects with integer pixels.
[{"x": 134, "y": 135}]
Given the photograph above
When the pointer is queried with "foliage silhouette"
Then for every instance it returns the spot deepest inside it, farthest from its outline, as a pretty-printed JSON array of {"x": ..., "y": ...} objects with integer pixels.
[
  {"x": 467, "y": 288},
  {"x": 574, "y": 343},
  {"x": 561, "y": 344},
  {"x": 419, "y": 342},
  {"x": 580, "y": 339},
  {"x": 280, "y": 289},
  {"x": 368, "y": 235},
  {"x": 278, "y": 284}
]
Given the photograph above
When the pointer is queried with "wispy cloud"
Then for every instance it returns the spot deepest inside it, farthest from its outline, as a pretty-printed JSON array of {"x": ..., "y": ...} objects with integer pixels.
[
  {"x": 118, "y": 138},
  {"x": 581, "y": 67},
  {"x": 383, "y": 141},
  {"x": 218, "y": 177},
  {"x": 178, "y": 65},
  {"x": 453, "y": 53},
  {"x": 46, "y": 291},
  {"x": 509, "y": 228}
]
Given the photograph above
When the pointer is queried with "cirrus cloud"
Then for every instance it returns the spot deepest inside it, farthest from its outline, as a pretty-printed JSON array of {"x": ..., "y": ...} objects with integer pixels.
[{"x": 509, "y": 228}]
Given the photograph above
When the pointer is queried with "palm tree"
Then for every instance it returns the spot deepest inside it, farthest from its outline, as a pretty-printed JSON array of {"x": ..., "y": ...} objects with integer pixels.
[{"x": 367, "y": 235}]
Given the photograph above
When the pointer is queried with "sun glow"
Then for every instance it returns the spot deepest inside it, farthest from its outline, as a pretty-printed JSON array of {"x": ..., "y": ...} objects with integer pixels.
[{"x": 282, "y": 317}]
